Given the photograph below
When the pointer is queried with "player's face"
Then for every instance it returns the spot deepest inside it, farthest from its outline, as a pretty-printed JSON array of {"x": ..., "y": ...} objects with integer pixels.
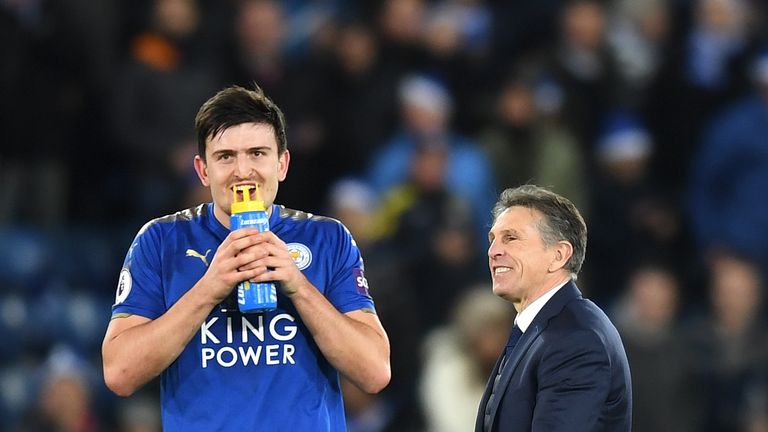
[
  {"x": 242, "y": 154},
  {"x": 517, "y": 256}
]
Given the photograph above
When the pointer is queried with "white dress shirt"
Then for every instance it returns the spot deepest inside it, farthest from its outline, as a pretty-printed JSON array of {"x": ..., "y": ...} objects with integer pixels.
[{"x": 526, "y": 316}]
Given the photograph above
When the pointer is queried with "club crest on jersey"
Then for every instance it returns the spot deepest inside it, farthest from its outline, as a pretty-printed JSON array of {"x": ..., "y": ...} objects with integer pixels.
[
  {"x": 124, "y": 283},
  {"x": 301, "y": 255}
]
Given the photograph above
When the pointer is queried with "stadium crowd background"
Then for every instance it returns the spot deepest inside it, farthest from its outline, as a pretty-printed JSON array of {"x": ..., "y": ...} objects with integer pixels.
[{"x": 406, "y": 118}]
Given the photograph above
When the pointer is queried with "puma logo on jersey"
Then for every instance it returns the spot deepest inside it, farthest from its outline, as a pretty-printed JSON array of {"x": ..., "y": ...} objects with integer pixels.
[{"x": 196, "y": 254}]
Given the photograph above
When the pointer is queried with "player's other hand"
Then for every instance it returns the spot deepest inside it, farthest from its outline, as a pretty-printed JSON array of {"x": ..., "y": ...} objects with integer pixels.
[
  {"x": 274, "y": 263},
  {"x": 232, "y": 262}
]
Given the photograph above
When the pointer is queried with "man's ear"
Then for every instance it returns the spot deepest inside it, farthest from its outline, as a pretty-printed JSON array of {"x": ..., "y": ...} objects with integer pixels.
[
  {"x": 563, "y": 251},
  {"x": 283, "y": 162},
  {"x": 201, "y": 168}
]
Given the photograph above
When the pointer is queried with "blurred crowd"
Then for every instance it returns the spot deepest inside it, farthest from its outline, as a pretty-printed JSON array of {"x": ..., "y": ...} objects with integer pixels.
[{"x": 405, "y": 118}]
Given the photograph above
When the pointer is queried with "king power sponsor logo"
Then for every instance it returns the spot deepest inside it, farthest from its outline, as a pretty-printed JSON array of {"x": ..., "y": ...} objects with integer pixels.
[{"x": 244, "y": 344}]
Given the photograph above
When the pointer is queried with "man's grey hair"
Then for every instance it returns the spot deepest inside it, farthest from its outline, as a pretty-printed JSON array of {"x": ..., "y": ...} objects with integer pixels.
[{"x": 561, "y": 219}]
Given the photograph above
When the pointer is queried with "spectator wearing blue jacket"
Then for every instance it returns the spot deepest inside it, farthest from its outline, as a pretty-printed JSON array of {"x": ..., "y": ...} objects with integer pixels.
[
  {"x": 729, "y": 183},
  {"x": 426, "y": 108}
]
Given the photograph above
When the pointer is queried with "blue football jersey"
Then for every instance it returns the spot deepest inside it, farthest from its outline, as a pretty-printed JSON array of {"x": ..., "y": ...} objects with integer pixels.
[{"x": 245, "y": 372}]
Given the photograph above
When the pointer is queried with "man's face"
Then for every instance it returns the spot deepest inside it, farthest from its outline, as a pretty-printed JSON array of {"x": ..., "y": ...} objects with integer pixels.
[
  {"x": 517, "y": 257},
  {"x": 240, "y": 155}
]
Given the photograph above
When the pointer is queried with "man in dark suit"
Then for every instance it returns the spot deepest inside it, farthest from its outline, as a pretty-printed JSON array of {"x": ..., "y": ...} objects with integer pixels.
[{"x": 564, "y": 367}]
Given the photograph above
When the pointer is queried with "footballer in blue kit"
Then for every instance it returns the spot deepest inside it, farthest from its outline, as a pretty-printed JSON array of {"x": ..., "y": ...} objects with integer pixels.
[{"x": 175, "y": 312}]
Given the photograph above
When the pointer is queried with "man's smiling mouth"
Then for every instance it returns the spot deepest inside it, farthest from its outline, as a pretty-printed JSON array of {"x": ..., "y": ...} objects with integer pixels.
[{"x": 499, "y": 270}]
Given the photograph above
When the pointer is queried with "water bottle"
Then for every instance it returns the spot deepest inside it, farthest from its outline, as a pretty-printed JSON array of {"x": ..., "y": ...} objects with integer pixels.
[{"x": 252, "y": 297}]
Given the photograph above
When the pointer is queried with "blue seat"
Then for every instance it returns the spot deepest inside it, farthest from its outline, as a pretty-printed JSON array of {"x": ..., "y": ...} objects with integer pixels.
[{"x": 25, "y": 257}]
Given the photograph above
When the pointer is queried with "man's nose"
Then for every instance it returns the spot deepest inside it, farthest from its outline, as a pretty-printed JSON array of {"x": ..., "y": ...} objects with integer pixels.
[
  {"x": 242, "y": 167},
  {"x": 493, "y": 249}
]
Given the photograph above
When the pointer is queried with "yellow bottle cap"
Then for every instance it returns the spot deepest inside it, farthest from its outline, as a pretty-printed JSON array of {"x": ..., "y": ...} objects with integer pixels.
[{"x": 246, "y": 204}]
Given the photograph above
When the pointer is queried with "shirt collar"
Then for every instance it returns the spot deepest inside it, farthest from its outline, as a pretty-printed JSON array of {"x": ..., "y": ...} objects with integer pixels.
[{"x": 524, "y": 319}]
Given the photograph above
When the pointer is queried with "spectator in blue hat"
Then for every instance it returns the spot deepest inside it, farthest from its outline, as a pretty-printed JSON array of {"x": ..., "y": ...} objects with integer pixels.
[
  {"x": 426, "y": 108},
  {"x": 631, "y": 217}
]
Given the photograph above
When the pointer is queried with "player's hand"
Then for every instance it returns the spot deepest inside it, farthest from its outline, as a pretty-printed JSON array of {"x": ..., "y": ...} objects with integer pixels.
[
  {"x": 227, "y": 268},
  {"x": 274, "y": 263}
]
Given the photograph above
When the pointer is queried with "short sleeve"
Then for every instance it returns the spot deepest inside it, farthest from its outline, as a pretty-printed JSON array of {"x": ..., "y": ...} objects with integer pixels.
[
  {"x": 139, "y": 287},
  {"x": 348, "y": 288}
]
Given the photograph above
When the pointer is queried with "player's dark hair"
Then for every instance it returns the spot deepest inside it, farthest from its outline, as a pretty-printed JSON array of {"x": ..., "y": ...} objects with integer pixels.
[{"x": 237, "y": 105}]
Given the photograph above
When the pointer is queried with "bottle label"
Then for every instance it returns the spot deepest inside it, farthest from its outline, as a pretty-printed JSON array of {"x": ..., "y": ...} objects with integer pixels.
[
  {"x": 256, "y": 297},
  {"x": 241, "y": 288},
  {"x": 258, "y": 222}
]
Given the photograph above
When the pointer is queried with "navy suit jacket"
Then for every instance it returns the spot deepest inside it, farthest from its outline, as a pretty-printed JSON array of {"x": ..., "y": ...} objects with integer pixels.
[{"x": 568, "y": 372}]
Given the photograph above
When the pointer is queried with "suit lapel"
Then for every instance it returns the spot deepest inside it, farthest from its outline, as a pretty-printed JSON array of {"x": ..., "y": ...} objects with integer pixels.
[{"x": 553, "y": 307}]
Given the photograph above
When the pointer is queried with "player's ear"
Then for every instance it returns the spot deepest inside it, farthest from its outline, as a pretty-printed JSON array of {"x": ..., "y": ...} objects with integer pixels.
[
  {"x": 201, "y": 168},
  {"x": 283, "y": 162}
]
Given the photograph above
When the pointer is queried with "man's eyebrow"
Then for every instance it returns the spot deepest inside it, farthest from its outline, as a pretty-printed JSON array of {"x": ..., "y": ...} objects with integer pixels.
[
  {"x": 259, "y": 148},
  {"x": 222, "y": 152},
  {"x": 511, "y": 231}
]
